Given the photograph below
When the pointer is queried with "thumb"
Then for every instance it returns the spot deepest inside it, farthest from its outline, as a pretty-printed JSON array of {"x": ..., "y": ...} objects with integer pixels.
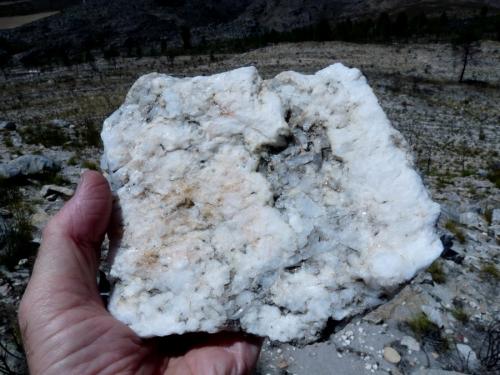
[{"x": 68, "y": 258}]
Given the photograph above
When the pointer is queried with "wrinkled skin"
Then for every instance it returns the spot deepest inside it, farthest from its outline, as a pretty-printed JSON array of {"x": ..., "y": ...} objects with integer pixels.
[{"x": 66, "y": 328}]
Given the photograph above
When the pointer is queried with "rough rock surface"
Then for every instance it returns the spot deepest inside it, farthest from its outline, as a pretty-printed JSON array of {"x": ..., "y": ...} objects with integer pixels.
[
  {"x": 27, "y": 165},
  {"x": 48, "y": 190},
  {"x": 266, "y": 205}
]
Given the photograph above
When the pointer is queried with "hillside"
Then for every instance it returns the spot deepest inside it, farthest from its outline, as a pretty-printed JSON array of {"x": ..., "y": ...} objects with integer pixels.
[
  {"x": 150, "y": 27},
  {"x": 25, "y": 7},
  {"x": 451, "y": 128}
]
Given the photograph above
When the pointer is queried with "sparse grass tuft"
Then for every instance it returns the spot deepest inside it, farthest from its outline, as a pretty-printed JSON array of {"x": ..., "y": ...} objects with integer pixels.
[
  {"x": 53, "y": 178},
  {"x": 16, "y": 241},
  {"x": 73, "y": 160},
  {"x": 460, "y": 315},
  {"x": 494, "y": 176},
  {"x": 488, "y": 215},
  {"x": 90, "y": 165},
  {"x": 490, "y": 271},
  {"x": 467, "y": 172},
  {"x": 457, "y": 232},
  {"x": 437, "y": 273},
  {"x": 8, "y": 142},
  {"x": 89, "y": 134},
  {"x": 44, "y": 134},
  {"x": 422, "y": 326},
  {"x": 428, "y": 332}
]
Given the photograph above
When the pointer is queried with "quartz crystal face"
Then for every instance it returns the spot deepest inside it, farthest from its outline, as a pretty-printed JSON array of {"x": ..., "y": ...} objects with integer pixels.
[{"x": 268, "y": 206}]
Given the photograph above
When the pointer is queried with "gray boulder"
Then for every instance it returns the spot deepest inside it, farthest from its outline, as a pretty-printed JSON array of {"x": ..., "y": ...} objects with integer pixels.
[
  {"x": 495, "y": 217},
  {"x": 468, "y": 356},
  {"x": 27, "y": 166},
  {"x": 472, "y": 220}
]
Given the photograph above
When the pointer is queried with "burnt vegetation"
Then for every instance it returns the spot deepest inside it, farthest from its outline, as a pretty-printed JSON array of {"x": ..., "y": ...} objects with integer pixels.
[{"x": 399, "y": 27}]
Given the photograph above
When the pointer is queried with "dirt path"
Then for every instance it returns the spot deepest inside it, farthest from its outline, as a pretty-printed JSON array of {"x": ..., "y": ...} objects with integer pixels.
[{"x": 16, "y": 21}]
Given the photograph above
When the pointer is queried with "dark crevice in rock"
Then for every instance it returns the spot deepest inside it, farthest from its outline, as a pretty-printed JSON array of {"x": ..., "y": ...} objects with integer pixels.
[
  {"x": 332, "y": 326},
  {"x": 281, "y": 145}
]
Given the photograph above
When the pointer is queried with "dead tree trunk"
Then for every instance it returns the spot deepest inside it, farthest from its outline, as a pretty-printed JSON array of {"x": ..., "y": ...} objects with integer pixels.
[{"x": 465, "y": 60}]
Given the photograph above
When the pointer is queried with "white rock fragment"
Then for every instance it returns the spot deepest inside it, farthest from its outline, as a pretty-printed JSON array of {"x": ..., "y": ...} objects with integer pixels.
[
  {"x": 58, "y": 190},
  {"x": 468, "y": 356},
  {"x": 268, "y": 206},
  {"x": 391, "y": 355}
]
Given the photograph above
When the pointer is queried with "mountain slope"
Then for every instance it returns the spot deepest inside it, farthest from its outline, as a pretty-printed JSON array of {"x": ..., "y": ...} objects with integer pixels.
[{"x": 123, "y": 25}]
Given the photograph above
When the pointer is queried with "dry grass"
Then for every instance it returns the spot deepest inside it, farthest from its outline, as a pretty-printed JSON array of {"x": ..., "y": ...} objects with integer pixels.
[
  {"x": 437, "y": 273},
  {"x": 456, "y": 230}
]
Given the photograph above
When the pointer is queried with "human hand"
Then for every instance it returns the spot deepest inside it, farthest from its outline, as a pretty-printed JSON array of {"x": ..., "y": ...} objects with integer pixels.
[{"x": 66, "y": 328}]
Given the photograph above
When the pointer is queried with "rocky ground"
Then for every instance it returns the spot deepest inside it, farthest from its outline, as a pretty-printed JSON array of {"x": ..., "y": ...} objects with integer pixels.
[{"x": 446, "y": 319}]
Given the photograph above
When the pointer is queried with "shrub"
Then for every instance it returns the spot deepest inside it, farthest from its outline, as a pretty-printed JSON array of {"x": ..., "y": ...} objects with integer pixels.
[
  {"x": 17, "y": 239},
  {"x": 490, "y": 349}
]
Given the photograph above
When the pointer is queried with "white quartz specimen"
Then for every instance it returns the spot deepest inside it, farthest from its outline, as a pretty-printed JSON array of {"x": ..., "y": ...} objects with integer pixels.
[{"x": 267, "y": 206}]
